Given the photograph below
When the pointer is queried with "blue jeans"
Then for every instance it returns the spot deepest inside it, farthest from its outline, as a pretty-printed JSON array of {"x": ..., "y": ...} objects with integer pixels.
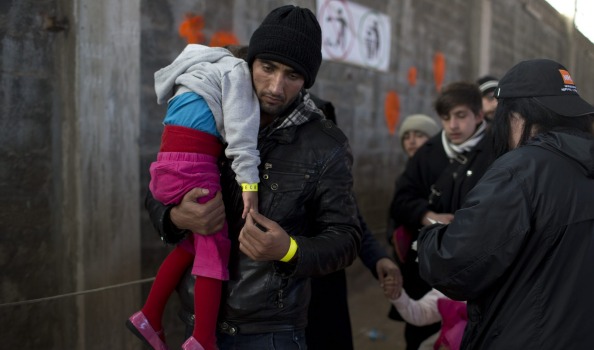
[{"x": 289, "y": 340}]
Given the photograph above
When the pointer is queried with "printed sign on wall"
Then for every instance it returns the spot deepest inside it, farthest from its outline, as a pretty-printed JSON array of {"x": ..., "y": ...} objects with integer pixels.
[{"x": 355, "y": 34}]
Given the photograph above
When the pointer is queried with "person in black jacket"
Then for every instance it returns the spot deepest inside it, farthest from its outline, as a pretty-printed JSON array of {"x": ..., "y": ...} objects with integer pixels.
[
  {"x": 307, "y": 223},
  {"x": 437, "y": 178},
  {"x": 521, "y": 248},
  {"x": 329, "y": 323}
]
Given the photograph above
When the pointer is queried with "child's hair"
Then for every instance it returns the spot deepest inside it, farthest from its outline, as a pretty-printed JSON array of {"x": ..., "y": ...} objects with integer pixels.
[
  {"x": 456, "y": 94},
  {"x": 239, "y": 51}
]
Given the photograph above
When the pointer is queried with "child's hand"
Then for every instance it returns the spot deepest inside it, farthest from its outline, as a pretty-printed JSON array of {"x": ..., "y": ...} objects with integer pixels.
[{"x": 250, "y": 202}]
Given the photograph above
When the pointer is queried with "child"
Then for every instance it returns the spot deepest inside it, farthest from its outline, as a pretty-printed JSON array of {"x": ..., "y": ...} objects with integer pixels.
[
  {"x": 433, "y": 307},
  {"x": 212, "y": 101},
  {"x": 414, "y": 131}
]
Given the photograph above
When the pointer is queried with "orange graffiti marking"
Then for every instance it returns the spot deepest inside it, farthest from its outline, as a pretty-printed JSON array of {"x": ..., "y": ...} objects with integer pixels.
[
  {"x": 439, "y": 65},
  {"x": 220, "y": 39},
  {"x": 412, "y": 76},
  {"x": 191, "y": 29},
  {"x": 392, "y": 111}
]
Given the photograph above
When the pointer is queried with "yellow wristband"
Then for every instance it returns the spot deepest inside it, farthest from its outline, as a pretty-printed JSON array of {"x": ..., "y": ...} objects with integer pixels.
[
  {"x": 249, "y": 187},
  {"x": 291, "y": 252}
]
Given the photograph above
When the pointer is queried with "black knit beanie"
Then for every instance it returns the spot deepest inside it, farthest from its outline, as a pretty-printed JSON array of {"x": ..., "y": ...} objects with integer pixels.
[{"x": 292, "y": 36}]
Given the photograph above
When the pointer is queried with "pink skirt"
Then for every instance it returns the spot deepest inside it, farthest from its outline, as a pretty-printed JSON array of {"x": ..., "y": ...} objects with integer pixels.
[{"x": 172, "y": 176}]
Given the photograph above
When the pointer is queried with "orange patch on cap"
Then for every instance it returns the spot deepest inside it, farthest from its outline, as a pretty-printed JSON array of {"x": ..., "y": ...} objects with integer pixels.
[{"x": 566, "y": 77}]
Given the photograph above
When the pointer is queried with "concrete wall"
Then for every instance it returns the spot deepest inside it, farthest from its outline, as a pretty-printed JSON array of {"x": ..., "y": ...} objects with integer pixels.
[
  {"x": 107, "y": 82},
  {"x": 80, "y": 125},
  {"x": 69, "y": 178},
  {"x": 476, "y": 38}
]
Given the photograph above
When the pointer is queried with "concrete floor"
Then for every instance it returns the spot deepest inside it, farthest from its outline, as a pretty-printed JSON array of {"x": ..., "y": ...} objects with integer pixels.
[{"x": 372, "y": 329}]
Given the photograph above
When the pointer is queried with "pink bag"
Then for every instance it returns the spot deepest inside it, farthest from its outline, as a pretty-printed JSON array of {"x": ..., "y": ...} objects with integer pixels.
[
  {"x": 401, "y": 239},
  {"x": 453, "y": 321}
]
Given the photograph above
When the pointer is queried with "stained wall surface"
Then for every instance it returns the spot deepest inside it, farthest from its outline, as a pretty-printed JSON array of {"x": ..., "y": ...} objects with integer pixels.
[
  {"x": 420, "y": 31},
  {"x": 69, "y": 172}
]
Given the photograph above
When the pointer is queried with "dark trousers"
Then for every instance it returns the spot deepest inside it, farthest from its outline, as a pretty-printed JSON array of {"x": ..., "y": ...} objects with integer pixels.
[
  {"x": 289, "y": 340},
  {"x": 329, "y": 323}
]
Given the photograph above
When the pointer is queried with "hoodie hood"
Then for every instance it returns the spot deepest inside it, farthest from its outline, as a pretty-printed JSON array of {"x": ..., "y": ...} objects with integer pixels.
[
  {"x": 577, "y": 146},
  {"x": 193, "y": 69}
]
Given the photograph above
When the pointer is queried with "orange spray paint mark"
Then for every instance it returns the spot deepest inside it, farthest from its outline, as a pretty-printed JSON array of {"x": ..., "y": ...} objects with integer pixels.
[
  {"x": 220, "y": 39},
  {"x": 392, "y": 111},
  {"x": 191, "y": 29},
  {"x": 439, "y": 65},
  {"x": 412, "y": 76}
]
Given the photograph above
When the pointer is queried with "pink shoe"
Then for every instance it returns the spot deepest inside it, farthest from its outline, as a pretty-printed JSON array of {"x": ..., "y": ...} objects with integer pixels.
[
  {"x": 141, "y": 327},
  {"x": 192, "y": 344}
]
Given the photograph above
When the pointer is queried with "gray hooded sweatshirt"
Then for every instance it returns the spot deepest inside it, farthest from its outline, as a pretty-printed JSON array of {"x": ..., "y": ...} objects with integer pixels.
[{"x": 225, "y": 83}]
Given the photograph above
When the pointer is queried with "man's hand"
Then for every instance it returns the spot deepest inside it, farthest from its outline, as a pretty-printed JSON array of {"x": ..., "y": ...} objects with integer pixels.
[
  {"x": 204, "y": 218},
  {"x": 441, "y": 218},
  {"x": 263, "y": 239},
  {"x": 389, "y": 277}
]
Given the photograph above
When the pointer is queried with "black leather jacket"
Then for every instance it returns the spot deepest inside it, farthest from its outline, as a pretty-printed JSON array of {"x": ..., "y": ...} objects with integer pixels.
[{"x": 306, "y": 187}]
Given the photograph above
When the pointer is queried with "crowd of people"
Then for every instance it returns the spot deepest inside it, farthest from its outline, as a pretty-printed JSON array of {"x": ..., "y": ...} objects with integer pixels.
[{"x": 491, "y": 220}]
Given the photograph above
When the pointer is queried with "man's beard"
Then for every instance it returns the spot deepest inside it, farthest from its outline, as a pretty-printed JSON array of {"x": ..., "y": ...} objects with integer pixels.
[
  {"x": 276, "y": 110},
  {"x": 272, "y": 110}
]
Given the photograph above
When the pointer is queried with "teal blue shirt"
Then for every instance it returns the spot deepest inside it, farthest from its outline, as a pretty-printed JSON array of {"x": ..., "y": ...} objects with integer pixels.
[{"x": 191, "y": 110}]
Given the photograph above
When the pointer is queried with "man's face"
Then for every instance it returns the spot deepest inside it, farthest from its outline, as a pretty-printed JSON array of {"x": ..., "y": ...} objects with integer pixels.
[
  {"x": 460, "y": 124},
  {"x": 277, "y": 85},
  {"x": 489, "y": 105}
]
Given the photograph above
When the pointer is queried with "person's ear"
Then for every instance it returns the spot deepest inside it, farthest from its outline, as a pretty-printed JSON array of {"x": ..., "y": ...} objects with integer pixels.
[{"x": 480, "y": 117}]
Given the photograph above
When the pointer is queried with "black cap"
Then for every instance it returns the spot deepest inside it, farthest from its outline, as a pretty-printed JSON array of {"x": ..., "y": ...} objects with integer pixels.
[
  {"x": 292, "y": 36},
  {"x": 547, "y": 81}
]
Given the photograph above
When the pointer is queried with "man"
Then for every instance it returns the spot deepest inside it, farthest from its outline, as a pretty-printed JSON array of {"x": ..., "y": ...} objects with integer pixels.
[
  {"x": 307, "y": 223},
  {"x": 437, "y": 178},
  {"x": 329, "y": 323},
  {"x": 487, "y": 85},
  {"x": 521, "y": 249}
]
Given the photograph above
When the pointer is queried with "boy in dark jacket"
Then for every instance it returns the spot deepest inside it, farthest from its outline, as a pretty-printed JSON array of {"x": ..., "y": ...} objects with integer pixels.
[{"x": 438, "y": 177}]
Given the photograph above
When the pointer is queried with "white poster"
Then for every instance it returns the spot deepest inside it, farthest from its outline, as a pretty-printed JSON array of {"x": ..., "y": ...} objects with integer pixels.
[{"x": 354, "y": 34}]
